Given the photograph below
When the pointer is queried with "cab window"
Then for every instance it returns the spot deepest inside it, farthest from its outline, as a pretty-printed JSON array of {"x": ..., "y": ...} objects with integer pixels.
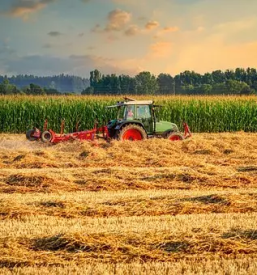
[
  {"x": 129, "y": 112},
  {"x": 143, "y": 111}
]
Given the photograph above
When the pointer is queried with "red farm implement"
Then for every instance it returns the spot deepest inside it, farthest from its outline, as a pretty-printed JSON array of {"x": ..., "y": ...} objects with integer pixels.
[{"x": 51, "y": 136}]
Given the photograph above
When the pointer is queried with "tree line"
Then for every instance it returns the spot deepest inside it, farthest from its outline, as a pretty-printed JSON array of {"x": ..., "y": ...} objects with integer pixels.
[
  {"x": 6, "y": 88},
  {"x": 238, "y": 81},
  {"x": 60, "y": 83}
]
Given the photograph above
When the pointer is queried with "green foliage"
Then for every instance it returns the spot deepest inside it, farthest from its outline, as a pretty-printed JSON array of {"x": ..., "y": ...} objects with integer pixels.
[
  {"x": 240, "y": 81},
  {"x": 203, "y": 114},
  {"x": 146, "y": 83},
  {"x": 8, "y": 89},
  {"x": 61, "y": 83},
  {"x": 166, "y": 84},
  {"x": 88, "y": 91}
]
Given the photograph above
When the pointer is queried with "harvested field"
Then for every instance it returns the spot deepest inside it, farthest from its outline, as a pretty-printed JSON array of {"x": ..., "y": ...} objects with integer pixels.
[{"x": 150, "y": 207}]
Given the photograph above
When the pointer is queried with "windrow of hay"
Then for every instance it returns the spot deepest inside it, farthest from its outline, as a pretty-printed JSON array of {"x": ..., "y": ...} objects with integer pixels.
[
  {"x": 219, "y": 266},
  {"x": 114, "y": 205},
  {"x": 236, "y": 150},
  {"x": 160, "y": 246},
  {"x": 208, "y": 177}
]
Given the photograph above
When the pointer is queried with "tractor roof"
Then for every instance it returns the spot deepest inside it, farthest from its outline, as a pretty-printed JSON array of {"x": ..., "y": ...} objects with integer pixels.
[{"x": 134, "y": 102}]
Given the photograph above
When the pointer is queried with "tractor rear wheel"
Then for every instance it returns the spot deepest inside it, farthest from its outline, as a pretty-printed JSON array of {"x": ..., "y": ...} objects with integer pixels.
[
  {"x": 132, "y": 132},
  {"x": 46, "y": 136},
  {"x": 29, "y": 135},
  {"x": 173, "y": 136}
]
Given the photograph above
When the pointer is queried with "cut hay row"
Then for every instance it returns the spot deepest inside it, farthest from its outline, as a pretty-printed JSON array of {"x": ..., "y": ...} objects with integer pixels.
[
  {"x": 73, "y": 205},
  {"x": 220, "y": 266},
  {"x": 40, "y": 226},
  {"x": 203, "y": 114},
  {"x": 54, "y": 249},
  {"x": 88, "y": 179}
]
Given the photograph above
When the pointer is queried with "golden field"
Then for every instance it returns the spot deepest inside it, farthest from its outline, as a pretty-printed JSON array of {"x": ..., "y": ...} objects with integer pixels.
[{"x": 146, "y": 207}]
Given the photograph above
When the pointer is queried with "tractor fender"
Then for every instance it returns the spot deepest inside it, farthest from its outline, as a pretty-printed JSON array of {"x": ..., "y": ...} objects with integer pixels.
[{"x": 121, "y": 125}]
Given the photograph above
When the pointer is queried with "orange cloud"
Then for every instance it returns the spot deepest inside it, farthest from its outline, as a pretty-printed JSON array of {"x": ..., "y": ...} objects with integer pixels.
[
  {"x": 152, "y": 25},
  {"x": 170, "y": 29},
  {"x": 24, "y": 8},
  {"x": 24, "y": 12}
]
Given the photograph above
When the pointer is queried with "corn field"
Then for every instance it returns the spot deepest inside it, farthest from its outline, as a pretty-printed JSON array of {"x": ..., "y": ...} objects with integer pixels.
[{"x": 203, "y": 114}]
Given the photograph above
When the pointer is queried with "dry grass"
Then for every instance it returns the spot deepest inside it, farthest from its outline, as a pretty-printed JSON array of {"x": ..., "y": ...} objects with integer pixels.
[
  {"x": 125, "y": 204},
  {"x": 243, "y": 266},
  {"x": 156, "y": 207}
]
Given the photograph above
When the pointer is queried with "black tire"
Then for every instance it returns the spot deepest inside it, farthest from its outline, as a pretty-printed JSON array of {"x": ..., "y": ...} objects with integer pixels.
[
  {"x": 29, "y": 135},
  {"x": 174, "y": 136},
  {"x": 131, "y": 132},
  {"x": 46, "y": 136}
]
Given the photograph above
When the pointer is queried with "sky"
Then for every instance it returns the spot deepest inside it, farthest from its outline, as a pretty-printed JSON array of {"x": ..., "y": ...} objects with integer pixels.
[{"x": 49, "y": 37}]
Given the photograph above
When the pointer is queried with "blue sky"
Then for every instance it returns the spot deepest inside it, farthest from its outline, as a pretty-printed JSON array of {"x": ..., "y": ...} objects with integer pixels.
[{"x": 45, "y": 37}]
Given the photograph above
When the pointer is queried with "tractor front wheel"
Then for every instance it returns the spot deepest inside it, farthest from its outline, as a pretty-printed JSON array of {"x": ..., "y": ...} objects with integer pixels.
[
  {"x": 174, "y": 136},
  {"x": 132, "y": 132}
]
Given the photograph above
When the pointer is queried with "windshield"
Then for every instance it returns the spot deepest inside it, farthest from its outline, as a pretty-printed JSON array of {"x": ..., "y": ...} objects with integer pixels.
[
  {"x": 129, "y": 112},
  {"x": 121, "y": 112}
]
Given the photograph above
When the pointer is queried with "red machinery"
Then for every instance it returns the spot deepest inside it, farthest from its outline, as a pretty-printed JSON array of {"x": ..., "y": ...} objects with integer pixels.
[{"x": 51, "y": 136}]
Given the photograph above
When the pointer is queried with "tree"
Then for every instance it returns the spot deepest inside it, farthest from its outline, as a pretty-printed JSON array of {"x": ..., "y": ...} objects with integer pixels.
[
  {"x": 146, "y": 83},
  {"x": 237, "y": 87},
  {"x": 166, "y": 84},
  {"x": 218, "y": 76},
  {"x": 207, "y": 79},
  {"x": 33, "y": 89},
  {"x": 88, "y": 91},
  {"x": 6, "y": 88}
]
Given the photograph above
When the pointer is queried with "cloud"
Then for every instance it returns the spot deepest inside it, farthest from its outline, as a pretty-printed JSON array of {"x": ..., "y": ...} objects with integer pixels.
[
  {"x": 132, "y": 30},
  {"x": 23, "y": 8},
  {"x": 170, "y": 29},
  {"x": 152, "y": 25},
  {"x": 43, "y": 65},
  {"x": 117, "y": 20},
  {"x": 54, "y": 33},
  {"x": 47, "y": 65}
]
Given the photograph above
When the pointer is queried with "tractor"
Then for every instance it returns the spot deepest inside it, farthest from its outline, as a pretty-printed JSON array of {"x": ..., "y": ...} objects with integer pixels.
[{"x": 136, "y": 120}]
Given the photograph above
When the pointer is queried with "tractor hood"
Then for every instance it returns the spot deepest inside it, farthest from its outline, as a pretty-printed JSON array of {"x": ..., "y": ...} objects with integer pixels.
[{"x": 163, "y": 126}]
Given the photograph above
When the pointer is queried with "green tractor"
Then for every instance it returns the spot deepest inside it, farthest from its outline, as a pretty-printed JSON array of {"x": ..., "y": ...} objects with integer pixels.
[{"x": 137, "y": 120}]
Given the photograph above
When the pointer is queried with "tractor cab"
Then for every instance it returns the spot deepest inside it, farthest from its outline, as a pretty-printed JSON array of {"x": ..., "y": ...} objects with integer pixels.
[{"x": 136, "y": 119}]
